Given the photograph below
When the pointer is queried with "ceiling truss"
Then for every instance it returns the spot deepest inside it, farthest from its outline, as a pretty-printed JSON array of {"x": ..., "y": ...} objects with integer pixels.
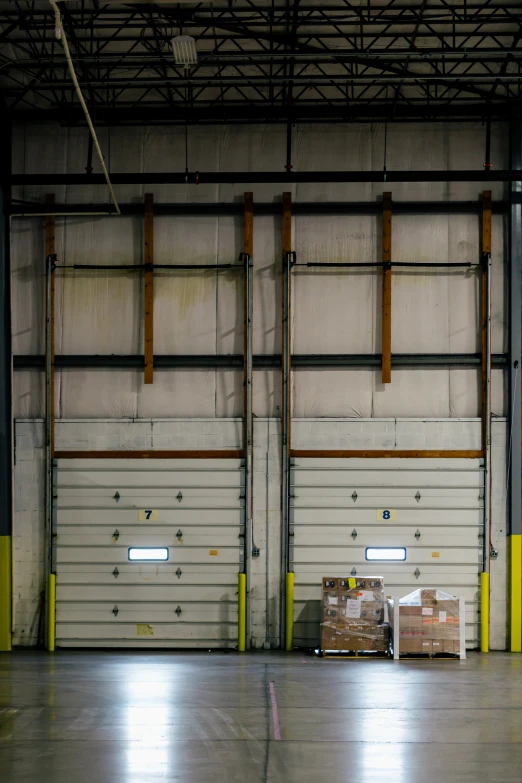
[{"x": 269, "y": 61}]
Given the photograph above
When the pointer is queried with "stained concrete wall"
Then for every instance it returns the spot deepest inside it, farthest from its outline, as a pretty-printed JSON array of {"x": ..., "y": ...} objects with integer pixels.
[
  {"x": 334, "y": 311},
  {"x": 226, "y": 433}
]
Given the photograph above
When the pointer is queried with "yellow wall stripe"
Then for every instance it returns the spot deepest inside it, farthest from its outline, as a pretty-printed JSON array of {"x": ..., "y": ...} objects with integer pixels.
[
  {"x": 241, "y": 613},
  {"x": 515, "y": 623},
  {"x": 484, "y": 612},
  {"x": 5, "y": 593},
  {"x": 289, "y": 611}
]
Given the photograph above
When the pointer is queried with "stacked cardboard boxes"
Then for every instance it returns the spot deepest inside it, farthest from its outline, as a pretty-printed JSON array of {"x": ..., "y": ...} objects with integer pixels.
[
  {"x": 429, "y": 622},
  {"x": 353, "y": 614}
]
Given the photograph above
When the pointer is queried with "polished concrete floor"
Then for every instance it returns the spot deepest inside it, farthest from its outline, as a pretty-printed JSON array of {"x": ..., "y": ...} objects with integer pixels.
[{"x": 102, "y": 717}]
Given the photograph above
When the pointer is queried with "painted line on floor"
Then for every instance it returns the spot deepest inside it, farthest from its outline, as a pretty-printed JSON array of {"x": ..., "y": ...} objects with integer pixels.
[{"x": 275, "y": 716}]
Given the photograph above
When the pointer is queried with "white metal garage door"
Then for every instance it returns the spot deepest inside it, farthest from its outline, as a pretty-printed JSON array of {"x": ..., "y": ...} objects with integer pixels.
[
  {"x": 103, "y": 508},
  {"x": 433, "y": 508}
]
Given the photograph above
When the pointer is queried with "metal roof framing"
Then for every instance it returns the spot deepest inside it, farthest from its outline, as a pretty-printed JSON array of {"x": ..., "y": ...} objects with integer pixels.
[{"x": 270, "y": 61}]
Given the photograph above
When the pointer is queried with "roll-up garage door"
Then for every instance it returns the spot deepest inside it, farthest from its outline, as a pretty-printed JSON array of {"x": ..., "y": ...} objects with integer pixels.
[
  {"x": 111, "y": 516},
  {"x": 340, "y": 509}
]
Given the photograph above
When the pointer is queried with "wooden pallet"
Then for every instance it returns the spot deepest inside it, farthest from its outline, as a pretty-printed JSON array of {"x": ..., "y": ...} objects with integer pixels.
[
  {"x": 359, "y": 654},
  {"x": 429, "y": 656}
]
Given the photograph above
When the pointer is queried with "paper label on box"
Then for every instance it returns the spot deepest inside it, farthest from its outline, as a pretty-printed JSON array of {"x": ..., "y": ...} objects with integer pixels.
[
  {"x": 332, "y": 599},
  {"x": 427, "y": 610},
  {"x": 442, "y": 617},
  {"x": 353, "y": 608},
  {"x": 352, "y": 583},
  {"x": 366, "y": 595}
]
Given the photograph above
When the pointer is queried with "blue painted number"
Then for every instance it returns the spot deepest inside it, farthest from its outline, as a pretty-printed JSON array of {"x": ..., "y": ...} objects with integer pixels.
[
  {"x": 148, "y": 513},
  {"x": 385, "y": 514}
]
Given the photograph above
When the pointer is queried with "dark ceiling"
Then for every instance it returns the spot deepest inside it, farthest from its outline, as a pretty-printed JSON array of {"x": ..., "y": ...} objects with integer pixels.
[{"x": 268, "y": 61}]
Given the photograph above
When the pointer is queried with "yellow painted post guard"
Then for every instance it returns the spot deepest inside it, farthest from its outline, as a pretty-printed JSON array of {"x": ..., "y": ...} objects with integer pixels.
[
  {"x": 241, "y": 613},
  {"x": 516, "y": 593},
  {"x": 5, "y": 593},
  {"x": 484, "y": 612},
  {"x": 289, "y": 611},
  {"x": 51, "y": 612}
]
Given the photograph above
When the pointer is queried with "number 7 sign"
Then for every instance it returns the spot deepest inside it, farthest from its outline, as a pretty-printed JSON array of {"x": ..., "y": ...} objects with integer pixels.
[{"x": 147, "y": 514}]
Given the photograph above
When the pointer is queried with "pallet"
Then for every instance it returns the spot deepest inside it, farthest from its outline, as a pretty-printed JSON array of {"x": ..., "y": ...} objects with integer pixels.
[
  {"x": 353, "y": 654},
  {"x": 429, "y": 656}
]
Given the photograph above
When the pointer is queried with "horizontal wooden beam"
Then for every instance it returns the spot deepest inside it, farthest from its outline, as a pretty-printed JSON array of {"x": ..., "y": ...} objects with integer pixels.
[
  {"x": 387, "y": 453},
  {"x": 152, "y": 454}
]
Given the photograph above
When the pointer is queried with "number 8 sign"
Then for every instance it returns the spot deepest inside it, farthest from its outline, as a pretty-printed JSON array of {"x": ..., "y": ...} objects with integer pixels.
[{"x": 386, "y": 514}]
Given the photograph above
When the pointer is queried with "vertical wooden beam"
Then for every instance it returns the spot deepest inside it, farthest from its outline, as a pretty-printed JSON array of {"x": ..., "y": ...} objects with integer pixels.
[
  {"x": 286, "y": 609},
  {"x": 248, "y": 250},
  {"x": 50, "y": 250},
  {"x": 287, "y": 313},
  {"x": 148, "y": 299},
  {"x": 386, "y": 285},
  {"x": 248, "y": 416},
  {"x": 486, "y": 252}
]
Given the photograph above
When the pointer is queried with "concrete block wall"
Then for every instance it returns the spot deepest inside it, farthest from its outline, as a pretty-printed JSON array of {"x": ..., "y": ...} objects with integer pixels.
[{"x": 226, "y": 433}]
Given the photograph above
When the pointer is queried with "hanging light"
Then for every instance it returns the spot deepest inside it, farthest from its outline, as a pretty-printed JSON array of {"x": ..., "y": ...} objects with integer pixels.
[{"x": 184, "y": 51}]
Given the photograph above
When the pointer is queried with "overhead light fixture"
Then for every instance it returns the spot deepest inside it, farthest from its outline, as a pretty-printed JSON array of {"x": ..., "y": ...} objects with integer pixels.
[
  {"x": 184, "y": 51},
  {"x": 388, "y": 553},
  {"x": 148, "y": 553}
]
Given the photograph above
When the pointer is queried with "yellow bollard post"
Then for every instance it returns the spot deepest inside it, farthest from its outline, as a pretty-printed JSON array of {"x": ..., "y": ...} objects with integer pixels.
[
  {"x": 241, "y": 613},
  {"x": 289, "y": 611},
  {"x": 484, "y": 612},
  {"x": 516, "y": 593},
  {"x": 51, "y": 612},
  {"x": 5, "y": 593}
]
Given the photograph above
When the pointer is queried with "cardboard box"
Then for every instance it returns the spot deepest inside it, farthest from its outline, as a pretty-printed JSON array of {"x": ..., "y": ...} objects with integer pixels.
[
  {"x": 450, "y": 646},
  {"x": 372, "y": 610},
  {"x": 330, "y": 583},
  {"x": 426, "y": 646},
  {"x": 429, "y": 596},
  {"x": 331, "y": 598},
  {"x": 353, "y": 614},
  {"x": 332, "y": 613},
  {"x": 452, "y": 608},
  {"x": 410, "y": 610},
  {"x": 410, "y": 646},
  {"x": 438, "y": 614}
]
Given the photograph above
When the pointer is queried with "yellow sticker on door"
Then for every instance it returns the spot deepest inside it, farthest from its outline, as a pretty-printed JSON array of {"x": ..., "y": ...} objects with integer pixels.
[
  {"x": 386, "y": 514},
  {"x": 144, "y": 629},
  {"x": 435, "y": 554},
  {"x": 148, "y": 514},
  {"x": 213, "y": 552}
]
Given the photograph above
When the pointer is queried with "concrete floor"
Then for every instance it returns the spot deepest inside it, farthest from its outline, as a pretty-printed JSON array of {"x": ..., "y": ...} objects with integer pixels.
[{"x": 102, "y": 717}]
